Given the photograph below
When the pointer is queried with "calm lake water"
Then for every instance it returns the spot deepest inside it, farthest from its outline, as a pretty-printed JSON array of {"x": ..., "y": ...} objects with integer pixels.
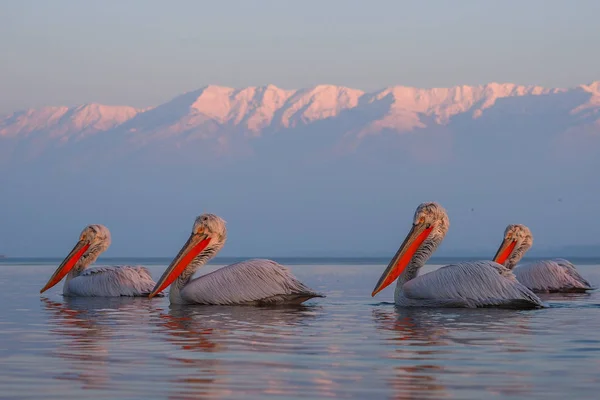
[{"x": 347, "y": 345}]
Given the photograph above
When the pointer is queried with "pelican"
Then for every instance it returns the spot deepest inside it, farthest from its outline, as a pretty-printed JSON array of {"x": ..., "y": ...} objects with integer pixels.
[
  {"x": 251, "y": 282},
  {"x": 467, "y": 284},
  {"x": 98, "y": 281},
  {"x": 546, "y": 276}
]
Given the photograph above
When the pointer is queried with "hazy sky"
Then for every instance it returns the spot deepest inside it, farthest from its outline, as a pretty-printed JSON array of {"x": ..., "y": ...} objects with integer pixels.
[{"x": 144, "y": 52}]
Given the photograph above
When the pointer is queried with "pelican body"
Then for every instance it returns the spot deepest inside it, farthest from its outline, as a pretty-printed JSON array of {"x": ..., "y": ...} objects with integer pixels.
[
  {"x": 98, "y": 281},
  {"x": 546, "y": 276},
  {"x": 251, "y": 282},
  {"x": 467, "y": 284}
]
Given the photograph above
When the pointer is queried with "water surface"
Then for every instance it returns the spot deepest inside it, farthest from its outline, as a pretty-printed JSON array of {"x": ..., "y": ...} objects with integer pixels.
[{"x": 348, "y": 345}]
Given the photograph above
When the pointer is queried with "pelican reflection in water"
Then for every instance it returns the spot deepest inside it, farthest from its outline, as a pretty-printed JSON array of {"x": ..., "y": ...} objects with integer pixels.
[
  {"x": 467, "y": 284},
  {"x": 82, "y": 330},
  {"x": 419, "y": 341},
  {"x": 252, "y": 282},
  {"x": 98, "y": 281},
  {"x": 255, "y": 334},
  {"x": 545, "y": 276},
  {"x": 210, "y": 329}
]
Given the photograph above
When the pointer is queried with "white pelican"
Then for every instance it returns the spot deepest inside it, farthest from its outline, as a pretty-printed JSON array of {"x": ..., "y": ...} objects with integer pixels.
[
  {"x": 251, "y": 282},
  {"x": 546, "y": 276},
  {"x": 98, "y": 281},
  {"x": 468, "y": 284}
]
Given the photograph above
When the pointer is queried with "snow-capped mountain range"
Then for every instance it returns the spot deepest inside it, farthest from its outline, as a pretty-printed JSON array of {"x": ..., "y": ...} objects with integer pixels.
[
  {"x": 322, "y": 169},
  {"x": 252, "y": 112}
]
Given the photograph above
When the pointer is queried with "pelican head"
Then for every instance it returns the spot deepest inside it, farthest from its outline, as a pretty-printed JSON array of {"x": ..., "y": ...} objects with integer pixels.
[
  {"x": 517, "y": 240},
  {"x": 430, "y": 225},
  {"x": 207, "y": 238},
  {"x": 94, "y": 240}
]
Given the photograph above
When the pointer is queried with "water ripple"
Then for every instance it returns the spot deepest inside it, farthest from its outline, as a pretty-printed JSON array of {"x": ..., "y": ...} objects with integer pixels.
[{"x": 345, "y": 346}]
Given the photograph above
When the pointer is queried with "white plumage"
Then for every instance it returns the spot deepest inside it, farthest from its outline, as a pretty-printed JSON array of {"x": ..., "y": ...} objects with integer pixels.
[
  {"x": 468, "y": 284},
  {"x": 110, "y": 281},
  {"x": 248, "y": 282},
  {"x": 551, "y": 276},
  {"x": 546, "y": 276},
  {"x": 98, "y": 281},
  {"x": 252, "y": 282}
]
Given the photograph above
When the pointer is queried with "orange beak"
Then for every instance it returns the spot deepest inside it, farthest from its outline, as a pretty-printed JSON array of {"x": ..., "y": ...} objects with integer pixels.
[
  {"x": 505, "y": 250},
  {"x": 405, "y": 253},
  {"x": 190, "y": 250},
  {"x": 67, "y": 265}
]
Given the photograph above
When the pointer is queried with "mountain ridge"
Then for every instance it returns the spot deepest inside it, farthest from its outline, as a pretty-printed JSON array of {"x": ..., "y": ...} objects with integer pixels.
[
  {"x": 322, "y": 169},
  {"x": 259, "y": 109}
]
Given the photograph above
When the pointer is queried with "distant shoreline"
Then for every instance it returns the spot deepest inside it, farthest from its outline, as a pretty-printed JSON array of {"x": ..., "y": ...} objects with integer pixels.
[{"x": 291, "y": 260}]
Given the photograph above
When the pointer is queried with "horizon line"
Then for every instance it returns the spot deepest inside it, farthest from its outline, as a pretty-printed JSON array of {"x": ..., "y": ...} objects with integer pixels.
[{"x": 304, "y": 257}]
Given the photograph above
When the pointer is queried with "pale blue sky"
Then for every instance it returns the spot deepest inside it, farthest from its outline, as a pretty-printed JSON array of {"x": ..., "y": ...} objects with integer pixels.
[{"x": 143, "y": 53}]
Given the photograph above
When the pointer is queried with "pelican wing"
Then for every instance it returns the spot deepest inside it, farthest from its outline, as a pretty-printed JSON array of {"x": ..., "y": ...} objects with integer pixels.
[
  {"x": 557, "y": 275},
  {"x": 471, "y": 284},
  {"x": 111, "y": 282},
  {"x": 247, "y": 282}
]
